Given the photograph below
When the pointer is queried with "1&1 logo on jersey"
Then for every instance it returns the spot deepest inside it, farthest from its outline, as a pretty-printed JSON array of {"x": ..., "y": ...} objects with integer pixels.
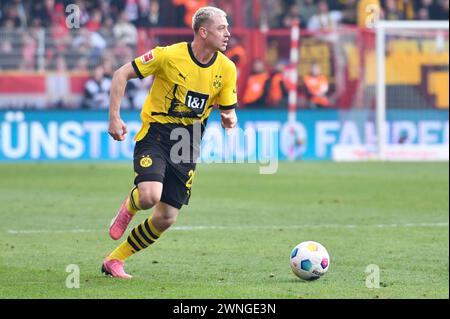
[{"x": 196, "y": 101}]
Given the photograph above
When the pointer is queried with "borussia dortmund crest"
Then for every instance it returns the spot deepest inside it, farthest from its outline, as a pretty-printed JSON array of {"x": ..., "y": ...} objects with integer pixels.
[
  {"x": 217, "y": 84},
  {"x": 146, "y": 161}
]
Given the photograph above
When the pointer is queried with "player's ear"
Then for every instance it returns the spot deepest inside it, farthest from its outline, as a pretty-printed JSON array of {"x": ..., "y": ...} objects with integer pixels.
[{"x": 203, "y": 32}]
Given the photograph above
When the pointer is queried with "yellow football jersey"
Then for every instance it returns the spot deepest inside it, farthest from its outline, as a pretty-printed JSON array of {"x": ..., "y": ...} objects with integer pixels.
[{"x": 184, "y": 90}]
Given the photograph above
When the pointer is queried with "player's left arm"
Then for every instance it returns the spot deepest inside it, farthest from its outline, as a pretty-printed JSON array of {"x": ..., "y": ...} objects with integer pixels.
[
  {"x": 228, "y": 118},
  {"x": 228, "y": 100}
]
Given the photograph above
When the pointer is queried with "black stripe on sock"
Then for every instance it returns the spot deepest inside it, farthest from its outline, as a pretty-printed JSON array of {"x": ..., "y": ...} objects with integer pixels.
[
  {"x": 135, "y": 237},
  {"x": 132, "y": 244},
  {"x": 133, "y": 204},
  {"x": 142, "y": 233},
  {"x": 147, "y": 227}
]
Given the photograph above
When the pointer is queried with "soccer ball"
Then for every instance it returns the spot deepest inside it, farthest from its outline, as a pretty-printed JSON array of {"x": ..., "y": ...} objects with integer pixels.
[{"x": 309, "y": 260}]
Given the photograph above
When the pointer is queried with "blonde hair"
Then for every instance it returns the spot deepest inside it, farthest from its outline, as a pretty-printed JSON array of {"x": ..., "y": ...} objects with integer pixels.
[{"x": 204, "y": 16}]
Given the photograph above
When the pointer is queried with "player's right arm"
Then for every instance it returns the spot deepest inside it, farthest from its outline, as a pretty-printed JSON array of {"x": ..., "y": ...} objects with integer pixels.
[
  {"x": 117, "y": 128},
  {"x": 148, "y": 63}
]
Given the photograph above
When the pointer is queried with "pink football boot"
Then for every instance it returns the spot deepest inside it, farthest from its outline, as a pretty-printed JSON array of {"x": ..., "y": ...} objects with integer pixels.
[
  {"x": 114, "y": 268},
  {"x": 120, "y": 222}
]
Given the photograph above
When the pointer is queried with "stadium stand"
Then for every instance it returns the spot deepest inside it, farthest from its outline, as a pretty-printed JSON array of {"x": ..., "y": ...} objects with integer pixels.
[{"x": 53, "y": 45}]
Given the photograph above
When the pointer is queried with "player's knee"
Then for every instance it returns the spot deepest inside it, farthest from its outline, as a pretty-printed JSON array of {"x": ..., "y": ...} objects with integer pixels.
[
  {"x": 147, "y": 201},
  {"x": 171, "y": 220},
  {"x": 167, "y": 221}
]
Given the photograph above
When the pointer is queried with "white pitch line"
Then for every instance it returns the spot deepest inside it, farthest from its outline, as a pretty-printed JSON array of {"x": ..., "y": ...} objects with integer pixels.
[
  {"x": 313, "y": 226},
  {"x": 189, "y": 228},
  {"x": 49, "y": 231}
]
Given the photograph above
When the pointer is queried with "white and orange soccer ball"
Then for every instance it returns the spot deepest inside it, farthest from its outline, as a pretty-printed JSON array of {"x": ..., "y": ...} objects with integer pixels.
[{"x": 309, "y": 260}]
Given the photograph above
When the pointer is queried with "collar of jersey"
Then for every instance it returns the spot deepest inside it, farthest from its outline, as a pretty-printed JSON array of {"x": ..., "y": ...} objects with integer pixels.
[{"x": 191, "y": 53}]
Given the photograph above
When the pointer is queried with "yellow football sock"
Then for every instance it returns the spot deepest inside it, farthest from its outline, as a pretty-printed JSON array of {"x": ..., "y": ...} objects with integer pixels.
[
  {"x": 122, "y": 252},
  {"x": 133, "y": 201},
  {"x": 140, "y": 238}
]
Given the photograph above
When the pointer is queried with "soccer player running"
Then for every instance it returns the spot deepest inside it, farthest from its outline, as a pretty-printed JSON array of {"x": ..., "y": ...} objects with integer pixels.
[{"x": 190, "y": 78}]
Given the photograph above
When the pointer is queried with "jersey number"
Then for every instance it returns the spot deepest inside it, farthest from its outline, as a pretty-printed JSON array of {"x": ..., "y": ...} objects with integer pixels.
[
  {"x": 196, "y": 101},
  {"x": 191, "y": 178}
]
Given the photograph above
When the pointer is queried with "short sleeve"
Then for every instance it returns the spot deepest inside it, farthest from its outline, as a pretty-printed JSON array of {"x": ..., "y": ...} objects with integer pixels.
[
  {"x": 228, "y": 95},
  {"x": 149, "y": 63}
]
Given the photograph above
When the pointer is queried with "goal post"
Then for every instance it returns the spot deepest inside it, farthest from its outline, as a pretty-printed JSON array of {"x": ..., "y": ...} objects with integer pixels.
[{"x": 387, "y": 149}]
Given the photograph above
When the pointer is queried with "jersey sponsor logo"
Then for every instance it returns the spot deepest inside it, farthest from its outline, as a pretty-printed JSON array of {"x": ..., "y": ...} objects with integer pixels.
[
  {"x": 147, "y": 57},
  {"x": 146, "y": 161},
  {"x": 196, "y": 101}
]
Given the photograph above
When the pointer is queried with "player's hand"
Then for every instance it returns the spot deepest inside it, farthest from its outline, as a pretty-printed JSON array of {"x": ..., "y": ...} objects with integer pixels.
[
  {"x": 229, "y": 119},
  {"x": 117, "y": 129}
]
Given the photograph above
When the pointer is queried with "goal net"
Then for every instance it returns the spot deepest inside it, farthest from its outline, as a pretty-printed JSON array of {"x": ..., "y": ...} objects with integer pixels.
[
  {"x": 410, "y": 72},
  {"x": 412, "y": 90}
]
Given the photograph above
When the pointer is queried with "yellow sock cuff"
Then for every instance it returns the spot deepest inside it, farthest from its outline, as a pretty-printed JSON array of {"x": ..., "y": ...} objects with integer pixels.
[{"x": 133, "y": 201}]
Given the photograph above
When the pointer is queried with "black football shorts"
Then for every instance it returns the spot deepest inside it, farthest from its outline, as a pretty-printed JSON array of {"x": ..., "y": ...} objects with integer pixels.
[{"x": 152, "y": 162}]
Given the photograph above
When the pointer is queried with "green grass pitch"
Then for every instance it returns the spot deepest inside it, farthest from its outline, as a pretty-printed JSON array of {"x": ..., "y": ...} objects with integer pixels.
[{"x": 234, "y": 239}]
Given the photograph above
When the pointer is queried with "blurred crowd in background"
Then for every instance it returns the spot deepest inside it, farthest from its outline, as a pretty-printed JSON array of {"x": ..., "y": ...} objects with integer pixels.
[
  {"x": 100, "y": 15},
  {"x": 107, "y": 32}
]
